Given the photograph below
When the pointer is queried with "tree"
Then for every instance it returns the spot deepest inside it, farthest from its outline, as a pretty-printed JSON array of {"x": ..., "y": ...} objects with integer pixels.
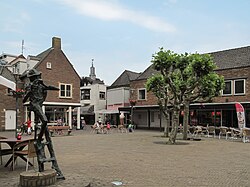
[
  {"x": 183, "y": 78},
  {"x": 167, "y": 87},
  {"x": 201, "y": 85},
  {"x": 160, "y": 90}
]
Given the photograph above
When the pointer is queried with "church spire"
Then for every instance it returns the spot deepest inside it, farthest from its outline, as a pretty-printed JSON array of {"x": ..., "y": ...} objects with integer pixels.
[{"x": 92, "y": 71}]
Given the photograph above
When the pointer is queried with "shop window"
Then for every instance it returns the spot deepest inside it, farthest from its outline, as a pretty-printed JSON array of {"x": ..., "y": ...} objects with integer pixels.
[
  {"x": 139, "y": 116},
  {"x": 239, "y": 87},
  {"x": 228, "y": 88}
]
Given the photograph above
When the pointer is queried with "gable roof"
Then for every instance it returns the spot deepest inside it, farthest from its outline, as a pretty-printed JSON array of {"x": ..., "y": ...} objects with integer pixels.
[
  {"x": 17, "y": 58},
  {"x": 6, "y": 73},
  {"x": 232, "y": 58},
  {"x": 124, "y": 79},
  {"x": 56, "y": 45},
  {"x": 227, "y": 59},
  {"x": 150, "y": 71},
  {"x": 42, "y": 55}
]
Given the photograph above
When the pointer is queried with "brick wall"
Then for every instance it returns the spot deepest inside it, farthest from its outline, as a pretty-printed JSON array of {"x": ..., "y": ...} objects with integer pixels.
[
  {"x": 231, "y": 74},
  {"x": 9, "y": 103},
  {"x": 150, "y": 97},
  {"x": 61, "y": 72}
]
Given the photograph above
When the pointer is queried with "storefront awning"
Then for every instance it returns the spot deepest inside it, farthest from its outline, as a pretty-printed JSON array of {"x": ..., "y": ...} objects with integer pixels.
[
  {"x": 85, "y": 110},
  {"x": 7, "y": 83},
  {"x": 104, "y": 111}
]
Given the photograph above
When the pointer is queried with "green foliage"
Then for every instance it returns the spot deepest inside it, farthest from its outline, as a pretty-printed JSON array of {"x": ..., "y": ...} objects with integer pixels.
[{"x": 184, "y": 78}]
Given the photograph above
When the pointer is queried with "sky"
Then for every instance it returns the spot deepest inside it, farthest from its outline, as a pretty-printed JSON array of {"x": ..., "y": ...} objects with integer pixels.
[{"x": 122, "y": 34}]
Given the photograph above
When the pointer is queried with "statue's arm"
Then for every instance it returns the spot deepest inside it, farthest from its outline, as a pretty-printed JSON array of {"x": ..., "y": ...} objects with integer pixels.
[
  {"x": 48, "y": 87},
  {"x": 26, "y": 97},
  {"x": 52, "y": 88}
]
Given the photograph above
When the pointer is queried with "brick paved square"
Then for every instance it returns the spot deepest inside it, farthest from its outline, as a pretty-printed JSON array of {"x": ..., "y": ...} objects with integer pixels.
[{"x": 143, "y": 159}]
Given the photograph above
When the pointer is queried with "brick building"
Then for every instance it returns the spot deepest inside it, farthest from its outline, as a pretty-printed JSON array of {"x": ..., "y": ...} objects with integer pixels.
[
  {"x": 57, "y": 71},
  {"x": 233, "y": 64},
  {"x": 9, "y": 106}
]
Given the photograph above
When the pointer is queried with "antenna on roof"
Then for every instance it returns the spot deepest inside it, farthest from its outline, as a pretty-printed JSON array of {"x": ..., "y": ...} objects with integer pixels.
[{"x": 22, "y": 46}]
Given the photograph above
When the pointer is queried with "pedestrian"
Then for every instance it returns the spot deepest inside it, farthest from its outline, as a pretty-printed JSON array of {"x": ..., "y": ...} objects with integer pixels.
[
  {"x": 83, "y": 123},
  {"x": 28, "y": 122}
]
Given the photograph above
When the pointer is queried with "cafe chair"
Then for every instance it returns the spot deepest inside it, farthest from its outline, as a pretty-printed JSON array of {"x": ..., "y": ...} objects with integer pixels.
[
  {"x": 245, "y": 134},
  {"x": 199, "y": 130},
  {"x": 19, "y": 151},
  {"x": 4, "y": 151},
  {"x": 224, "y": 131},
  {"x": 236, "y": 133},
  {"x": 210, "y": 130}
]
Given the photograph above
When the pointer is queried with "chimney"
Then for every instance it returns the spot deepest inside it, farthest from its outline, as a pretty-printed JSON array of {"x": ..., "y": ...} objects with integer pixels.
[{"x": 56, "y": 43}]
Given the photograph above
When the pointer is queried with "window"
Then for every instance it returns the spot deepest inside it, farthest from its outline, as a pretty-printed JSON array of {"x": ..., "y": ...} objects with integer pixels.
[
  {"x": 48, "y": 65},
  {"x": 102, "y": 95},
  {"x": 142, "y": 94},
  {"x": 65, "y": 90},
  {"x": 234, "y": 87},
  {"x": 239, "y": 87},
  {"x": 85, "y": 94},
  {"x": 228, "y": 88}
]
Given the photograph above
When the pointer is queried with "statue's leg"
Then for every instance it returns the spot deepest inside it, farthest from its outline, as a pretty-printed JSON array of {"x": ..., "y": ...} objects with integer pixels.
[
  {"x": 39, "y": 146},
  {"x": 52, "y": 155}
]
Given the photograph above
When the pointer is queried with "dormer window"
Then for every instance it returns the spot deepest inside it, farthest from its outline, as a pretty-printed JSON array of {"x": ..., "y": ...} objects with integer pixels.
[{"x": 48, "y": 66}]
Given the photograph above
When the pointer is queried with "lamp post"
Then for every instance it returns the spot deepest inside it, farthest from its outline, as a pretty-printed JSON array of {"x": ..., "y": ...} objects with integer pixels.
[
  {"x": 132, "y": 104},
  {"x": 16, "y": 94},
  {"x": 16, "y": 115}
]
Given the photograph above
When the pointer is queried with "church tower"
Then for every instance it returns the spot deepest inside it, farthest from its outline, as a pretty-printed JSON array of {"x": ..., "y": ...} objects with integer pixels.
[{"x": 92, "y": 74}]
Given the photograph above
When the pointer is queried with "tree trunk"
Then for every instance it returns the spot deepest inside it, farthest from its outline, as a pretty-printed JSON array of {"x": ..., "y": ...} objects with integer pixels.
[
  {"x": 167, "y": 124},
  {"x": 175, "y": 124},
  {"x": 185, "y": 120}
]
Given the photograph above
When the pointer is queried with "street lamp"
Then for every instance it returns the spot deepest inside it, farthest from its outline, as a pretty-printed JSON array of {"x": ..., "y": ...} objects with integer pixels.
[
  {"x": 132, "y": 104},
  {"x": 16, "y": 94}
]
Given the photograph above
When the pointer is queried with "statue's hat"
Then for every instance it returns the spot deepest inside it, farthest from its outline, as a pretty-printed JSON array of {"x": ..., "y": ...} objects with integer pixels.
[{"x": 33, "y": 72}]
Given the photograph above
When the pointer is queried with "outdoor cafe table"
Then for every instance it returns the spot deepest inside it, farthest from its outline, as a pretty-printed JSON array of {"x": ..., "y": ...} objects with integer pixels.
[{"x": 12, "y": 142}]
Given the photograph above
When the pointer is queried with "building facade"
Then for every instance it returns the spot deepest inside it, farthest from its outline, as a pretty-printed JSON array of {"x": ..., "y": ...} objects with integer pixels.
[
  {"x": 93, "y": 97},
  {"x": 233, "y": 64},
  {"x": 55, "y": 68},
  {"x": 118, "y": 95}
]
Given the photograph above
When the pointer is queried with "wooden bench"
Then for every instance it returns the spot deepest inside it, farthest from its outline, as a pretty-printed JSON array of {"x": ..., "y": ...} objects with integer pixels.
[{"x": 59, "y": 130}]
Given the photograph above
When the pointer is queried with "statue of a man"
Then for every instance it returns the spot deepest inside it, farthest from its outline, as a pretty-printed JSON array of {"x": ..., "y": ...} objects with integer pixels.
[{"x": 36, "y": 92}]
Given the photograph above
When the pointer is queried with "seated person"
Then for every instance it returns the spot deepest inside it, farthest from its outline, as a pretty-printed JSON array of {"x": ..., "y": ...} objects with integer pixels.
[{"x": 130, "y": 128}]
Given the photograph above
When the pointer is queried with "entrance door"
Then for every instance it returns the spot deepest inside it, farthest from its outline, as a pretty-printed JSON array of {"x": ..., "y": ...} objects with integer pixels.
[{"x": 10, "y": 120}]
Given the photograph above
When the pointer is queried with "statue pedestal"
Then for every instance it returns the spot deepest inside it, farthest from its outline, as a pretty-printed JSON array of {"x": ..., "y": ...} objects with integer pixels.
[{"x": 37, "y": 179}]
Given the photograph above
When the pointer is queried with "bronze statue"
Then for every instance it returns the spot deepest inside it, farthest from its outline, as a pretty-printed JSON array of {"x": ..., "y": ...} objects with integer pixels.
[{"x": 36, "y": 92}]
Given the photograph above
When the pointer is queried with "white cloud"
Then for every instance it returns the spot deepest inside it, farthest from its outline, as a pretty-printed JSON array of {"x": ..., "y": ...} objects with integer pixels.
[
  {"x": 112, "y": 11},
  {"x": 14, "y": 25}
]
